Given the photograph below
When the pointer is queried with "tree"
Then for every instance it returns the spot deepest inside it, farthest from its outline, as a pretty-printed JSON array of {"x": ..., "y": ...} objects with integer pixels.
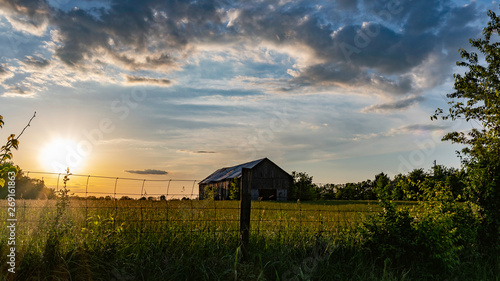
[
  {"x": 302, "y": 187},
  {"x": 26, "y": 187},
  {"x": 327, "y": 191},
  {"x": 234, "y": 189},
  {"x": 382, "y": 186},
  {"x": 6, "y": 150},
  {"x": 477, "y": 97}
]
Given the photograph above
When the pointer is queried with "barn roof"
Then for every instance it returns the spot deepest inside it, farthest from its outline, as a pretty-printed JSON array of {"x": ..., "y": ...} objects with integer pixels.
[{"x": 230, "y": 172}]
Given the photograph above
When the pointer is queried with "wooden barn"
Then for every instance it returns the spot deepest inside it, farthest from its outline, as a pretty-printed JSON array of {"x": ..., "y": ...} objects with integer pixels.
[{"x": 267, "y": 181}]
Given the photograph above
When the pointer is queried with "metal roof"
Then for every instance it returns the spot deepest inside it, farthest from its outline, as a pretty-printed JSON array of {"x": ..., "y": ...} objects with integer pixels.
[{"x": 230, "y": 172}]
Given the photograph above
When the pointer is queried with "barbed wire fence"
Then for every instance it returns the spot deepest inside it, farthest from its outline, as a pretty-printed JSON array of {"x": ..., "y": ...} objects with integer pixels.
[{"x": 168, "y": 207}]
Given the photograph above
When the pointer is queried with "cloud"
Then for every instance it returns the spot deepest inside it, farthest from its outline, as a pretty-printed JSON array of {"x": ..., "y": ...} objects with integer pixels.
[
  {"x": 146, "y": 80},
  {"x": 347, "y": 4},
  {"x": 386, "y": 48},
  {"x": 31, "y": 18},
  {"x": 36, "y": 61},
  {"x": 421, "y": 127},
  {"x": 392, "y": 106},
  {"x": 147, "y": 172},
  {"x": 136, "y": 34},
  {"x": 402, "y": 130},
  {"x": 414, "y": 129},
  {"x": 5, "y": 73},
  {"x": 18, "y": 91},
  {"x": 349, "y": 76},
  {"x": 197, "y": 151}
]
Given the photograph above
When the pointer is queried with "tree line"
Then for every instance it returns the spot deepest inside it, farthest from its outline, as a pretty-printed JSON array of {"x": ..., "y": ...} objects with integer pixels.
[
  {"x": 410, "y": 186},
  {"x": 26, "y": 187}
]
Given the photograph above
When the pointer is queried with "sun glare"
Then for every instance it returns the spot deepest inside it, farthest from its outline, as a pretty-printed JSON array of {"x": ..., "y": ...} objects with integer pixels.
[{"x": 60, "y": 154}]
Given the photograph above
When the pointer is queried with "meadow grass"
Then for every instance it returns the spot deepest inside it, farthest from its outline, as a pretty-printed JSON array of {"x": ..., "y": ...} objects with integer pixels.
[{"x": 197, "y": 240}]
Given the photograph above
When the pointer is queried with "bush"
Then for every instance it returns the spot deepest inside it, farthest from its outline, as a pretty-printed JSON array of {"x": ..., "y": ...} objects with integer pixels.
[
  {"x": 390, "y": 234},
  {"x": 434, "y": 235}
]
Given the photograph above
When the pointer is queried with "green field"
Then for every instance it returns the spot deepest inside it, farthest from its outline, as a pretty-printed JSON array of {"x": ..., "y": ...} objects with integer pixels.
[
  {"x": 196, "y": 240},
  {"x": 138, "y": 218}
]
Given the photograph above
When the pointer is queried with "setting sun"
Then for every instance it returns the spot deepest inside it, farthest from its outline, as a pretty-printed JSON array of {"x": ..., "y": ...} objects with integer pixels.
[{"x": 60, "y": 154}]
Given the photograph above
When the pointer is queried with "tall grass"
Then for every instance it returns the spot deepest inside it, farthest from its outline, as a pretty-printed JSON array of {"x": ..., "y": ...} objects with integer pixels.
[{"x": 197, "y": 240}]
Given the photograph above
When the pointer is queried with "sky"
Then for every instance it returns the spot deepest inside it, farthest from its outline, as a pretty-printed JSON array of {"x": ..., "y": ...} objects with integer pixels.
[{"x": 341, "y": 90}]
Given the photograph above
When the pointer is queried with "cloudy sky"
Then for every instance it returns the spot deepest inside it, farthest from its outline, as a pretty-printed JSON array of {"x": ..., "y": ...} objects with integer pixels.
[{"x": 340, "y": 89}]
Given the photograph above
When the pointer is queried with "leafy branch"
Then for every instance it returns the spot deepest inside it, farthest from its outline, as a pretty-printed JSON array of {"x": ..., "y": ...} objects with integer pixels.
[{"x": 12, "y": 141}]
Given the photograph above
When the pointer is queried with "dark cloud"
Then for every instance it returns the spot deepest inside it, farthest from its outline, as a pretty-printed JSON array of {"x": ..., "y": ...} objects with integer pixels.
[
  {"x": 5, "y": 73},
  {"x": 347, "y": 4},
  {"x": 17, "y": 91},
  {"x": 408, "y": 129},
  {"x": 397, "y": 105},
  {"x": 156, "y": 29},
  {"x": 421, "y": 127},
  {"x": 197, "y": 151},
  {"x": 146, "y": 80},
  {"x": 147, "y": 172},
  {"x": 347, "y": 75},
  {"x": 36, "y": 61},
  {"x": 368, "y": 54},
  {"x": 377, "y": 51}
]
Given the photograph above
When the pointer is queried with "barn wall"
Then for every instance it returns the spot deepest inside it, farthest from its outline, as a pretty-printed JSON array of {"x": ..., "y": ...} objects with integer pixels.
[
  {"x": 201, "y": 191},
  {"x": 282, "y": 194},
  {"x": 222, "y": 190},
  {"x": 254, "y": 194},
  {"x": 265, "y": 175},
  {"x": 269, "y": 176}
]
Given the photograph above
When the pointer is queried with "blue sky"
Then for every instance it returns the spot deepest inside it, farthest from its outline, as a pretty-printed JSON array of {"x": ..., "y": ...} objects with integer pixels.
[{"x": 341, "y": 90}]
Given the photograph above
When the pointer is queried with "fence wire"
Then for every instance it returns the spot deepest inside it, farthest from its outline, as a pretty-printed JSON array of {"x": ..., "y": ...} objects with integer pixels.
[{"x": 102, "y": 206}]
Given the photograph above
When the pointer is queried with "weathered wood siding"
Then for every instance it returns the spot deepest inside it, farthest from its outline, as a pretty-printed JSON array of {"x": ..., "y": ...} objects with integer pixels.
[
  {"x": 267, "y": 175},
  {"x": 264, "y": 176}
]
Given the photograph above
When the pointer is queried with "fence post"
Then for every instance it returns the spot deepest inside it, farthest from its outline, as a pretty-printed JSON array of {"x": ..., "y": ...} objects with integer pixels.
[{"x": 245, "y": 208}]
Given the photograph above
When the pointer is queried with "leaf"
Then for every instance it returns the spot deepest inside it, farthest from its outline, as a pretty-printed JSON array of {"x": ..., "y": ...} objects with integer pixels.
[
  {"x": 2, "y": 182},
  {"x": 7, "y": 155},
  {"x": 15, "y": 143}
]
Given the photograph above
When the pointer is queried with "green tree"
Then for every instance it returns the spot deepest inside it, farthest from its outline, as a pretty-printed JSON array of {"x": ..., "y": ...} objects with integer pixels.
[
  {"x": 303, "y": 187},
  {"x": 6, "y": 150},
  {"x": 234, "y": 189},
  {"x": 26, "y": 187},
  {"x": 477, "y": 97},
  {"x": 210, "y": 192},
  {"x": 383, "y": 186}
]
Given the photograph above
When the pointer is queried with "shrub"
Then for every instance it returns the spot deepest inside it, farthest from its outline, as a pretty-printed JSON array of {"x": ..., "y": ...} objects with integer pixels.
[{"x": 434, "y": 235}]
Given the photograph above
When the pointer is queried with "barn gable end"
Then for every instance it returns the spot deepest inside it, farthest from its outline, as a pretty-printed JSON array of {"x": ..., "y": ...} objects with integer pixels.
[{"x": 268, "y": 181}]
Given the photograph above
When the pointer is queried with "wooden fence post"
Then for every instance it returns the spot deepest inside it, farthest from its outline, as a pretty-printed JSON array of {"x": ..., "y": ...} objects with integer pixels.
[{"x": 245, "y": 208}]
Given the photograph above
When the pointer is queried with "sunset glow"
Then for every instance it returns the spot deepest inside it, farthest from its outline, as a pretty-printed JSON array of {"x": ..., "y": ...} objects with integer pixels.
[
  {"x": 340, "y": 89},
  {"x": 59, "y": 154}
]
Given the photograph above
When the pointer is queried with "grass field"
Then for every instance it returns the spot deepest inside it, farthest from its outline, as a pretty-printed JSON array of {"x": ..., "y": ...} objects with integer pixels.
[
  {"x": 135, "y": 218},
  {"x": 195, "y": 240}
]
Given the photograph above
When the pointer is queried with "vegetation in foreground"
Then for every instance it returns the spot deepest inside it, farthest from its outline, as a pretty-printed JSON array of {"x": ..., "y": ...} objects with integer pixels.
[
  {"x": 441, "y": 239},
  {"x": 434, "y": 240}
]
